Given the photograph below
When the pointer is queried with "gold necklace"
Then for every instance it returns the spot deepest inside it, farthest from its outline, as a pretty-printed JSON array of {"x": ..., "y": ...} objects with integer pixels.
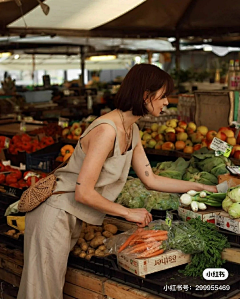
[{"x": 127, "y": 136}]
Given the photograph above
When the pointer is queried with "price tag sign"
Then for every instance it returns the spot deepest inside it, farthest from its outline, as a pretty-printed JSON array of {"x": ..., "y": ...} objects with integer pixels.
[
  {"x": 221, "y": 147},
  {"x": 23, "y": 126},
  {"x": 235, "y": 170},
  {"x": 7, "y": 142},
  {"x": 168, "y": 221},
  {"x": 63, "y": 122}
]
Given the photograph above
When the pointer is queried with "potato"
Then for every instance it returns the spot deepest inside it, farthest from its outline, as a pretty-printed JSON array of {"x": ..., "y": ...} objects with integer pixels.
[
  {"x": 84, "y": 224},
  {"x": 88, "y": 230},
  {"x": 97, "y": 241},
  {"x": 16, "y": 236},
  {"x": 89, "y": 236},
  {"x": 102, "y": 247},
  {"x": 98, "y": 228},
  {"x": 88, "y": 257},
  {"x": 82, "y": 235},
  {"x": 99, "y": 252},
  {"x": 77, "y": 251},
  {"x": 90, "y": 250},
  {"x": 98, "y": 234},
  {"x": 10, "y": 232},
  {"x": 111, "y": 228},
  {"x": 107, "y": 234},
  {"x": 84, "y": 246},
  {"x": 80, "y": 241},
  {"x": 82, "y": 254}
]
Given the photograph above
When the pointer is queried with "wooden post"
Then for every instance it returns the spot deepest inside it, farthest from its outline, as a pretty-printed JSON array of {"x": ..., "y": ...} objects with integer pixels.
[
  {"x": 82, "y": 64},
  {"x": 177, "y": 58}
]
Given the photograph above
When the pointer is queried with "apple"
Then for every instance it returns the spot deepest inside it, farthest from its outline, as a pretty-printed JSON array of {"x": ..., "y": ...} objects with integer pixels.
[
  {"x": 178, "y": 130},
  {"x": 169, "y": 129},
  {"x": 154, "y": 134},
  {"x": 235, "y": 148},
  {"x": 146, "y": 137},
  {"x": 144, "y": 143},
  {"x": 203, "y": 130},
  {"x": 190, "y": 131},
  {"x": 188, "y": 149},
  {"x": 162, "y": 129},
  {"x": 221, "y": 135},
  {"x": 192, "y": 126},
  {"x": 159, "y": 145},
  {"x": 151, "y": 143},
  {"x": 182, "y": 136},
  {"x": 160, "y": 137},
  {"x": 179, "y": 145},
  {"x": 141, "y": 134},
  {"x": 204, "y": 143},
  {"x": 229, "y": 133},
  {"x": 197, "y": 137},
  {"x": 222, "y": 129},
  {"x": 238, "y": 138},
  {"x": 197, "y": 147},
  {"x": 182, "y": 124},
  {"x": 171, "y": 123},
  {"x": 154, "y": 127},
  {"x": 189, "y": 142},
  {"x": 231, "y": 140},
  {"x": 170, "y": 137},
  {"x": 237, "y": 155},
  {"x": 168, "y": 146},
  {"x": 211, "y": 134}
]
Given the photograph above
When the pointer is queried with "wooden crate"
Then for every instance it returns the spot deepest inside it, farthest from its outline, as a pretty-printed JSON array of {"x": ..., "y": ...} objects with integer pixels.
[{"x": 142, "y": 267}]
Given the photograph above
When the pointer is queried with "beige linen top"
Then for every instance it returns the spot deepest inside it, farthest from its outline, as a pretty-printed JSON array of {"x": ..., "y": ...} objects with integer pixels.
[{"x": 110, "y": 183}]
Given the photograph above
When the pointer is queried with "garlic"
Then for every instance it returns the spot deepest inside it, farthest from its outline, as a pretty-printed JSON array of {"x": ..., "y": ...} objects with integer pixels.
[
  {"x": 194, "y": 206},
  {"x": 203, "y": 194},
  {"x": 192, "y": 192},
  {"x": 186, "y": 199},
  {"x": 202, "y": 206}
]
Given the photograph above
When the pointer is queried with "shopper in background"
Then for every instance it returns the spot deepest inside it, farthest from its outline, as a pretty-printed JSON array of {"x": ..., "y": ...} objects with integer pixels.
[{"x": 93, "y": 178}]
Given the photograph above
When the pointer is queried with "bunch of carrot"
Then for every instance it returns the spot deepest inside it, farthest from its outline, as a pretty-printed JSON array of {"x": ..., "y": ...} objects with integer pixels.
[{"x": 145, "y": 243}]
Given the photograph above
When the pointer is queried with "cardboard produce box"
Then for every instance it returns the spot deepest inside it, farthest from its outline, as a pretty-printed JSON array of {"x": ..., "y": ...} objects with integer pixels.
[
  {"x": 232, "y": 180},
  {"x": 223, "y": 220},
  {"x": 142, "y": 267},
  {"x": 207, "y": 215}
]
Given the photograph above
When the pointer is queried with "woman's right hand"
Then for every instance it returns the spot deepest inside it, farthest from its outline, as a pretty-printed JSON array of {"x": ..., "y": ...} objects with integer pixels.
[{"x": 141, "y": 216}]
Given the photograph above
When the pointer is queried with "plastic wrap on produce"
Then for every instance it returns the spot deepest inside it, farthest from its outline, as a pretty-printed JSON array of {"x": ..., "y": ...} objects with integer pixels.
[{"x": 135, "y": 195}]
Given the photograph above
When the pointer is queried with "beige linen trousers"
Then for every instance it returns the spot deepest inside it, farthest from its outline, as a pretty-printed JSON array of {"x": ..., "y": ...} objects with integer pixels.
[{"x": 54, "y": 227}]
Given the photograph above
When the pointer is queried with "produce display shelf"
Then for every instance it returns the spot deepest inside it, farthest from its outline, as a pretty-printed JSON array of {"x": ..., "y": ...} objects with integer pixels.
[
  {"x": 11, "y": 128},
  {"x": 176, "y": 154},
  {"x": 233, "y": 239},
  {"x": 156, "y": 283},
  {"x": 9, "y": 240}
]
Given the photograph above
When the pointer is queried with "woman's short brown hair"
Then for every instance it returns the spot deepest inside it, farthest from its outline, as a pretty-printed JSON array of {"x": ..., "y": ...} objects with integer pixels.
[{"x": 142, "y": 77}]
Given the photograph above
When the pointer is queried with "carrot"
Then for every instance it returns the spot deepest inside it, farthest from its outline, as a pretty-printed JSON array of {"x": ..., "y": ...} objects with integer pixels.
[
  {"x": 163, "y": 233},
  {"x": 155, "y": 253},
  {"x": 142, "y": 247},
  {"x": 126, "y": 243}
]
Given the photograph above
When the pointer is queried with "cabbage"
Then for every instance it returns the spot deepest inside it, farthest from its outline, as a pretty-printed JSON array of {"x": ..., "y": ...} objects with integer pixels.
[
  {"x": 227, "y": 202},
  {"x": 234, "y": 194},
  {"x": 234, "y": 210}
]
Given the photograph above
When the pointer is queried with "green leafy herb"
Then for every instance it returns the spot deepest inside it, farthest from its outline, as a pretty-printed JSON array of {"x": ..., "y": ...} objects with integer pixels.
[{"x": 210, "y": 257}]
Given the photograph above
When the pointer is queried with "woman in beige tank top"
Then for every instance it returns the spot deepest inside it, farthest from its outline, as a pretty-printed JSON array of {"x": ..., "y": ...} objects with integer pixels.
[{"x": 95, "y": 175}]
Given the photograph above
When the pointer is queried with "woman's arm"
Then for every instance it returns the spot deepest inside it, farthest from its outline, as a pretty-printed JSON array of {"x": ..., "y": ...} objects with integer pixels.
[
  {"x": 101, "y": 142},
  {"x": 143, "y": 170}
]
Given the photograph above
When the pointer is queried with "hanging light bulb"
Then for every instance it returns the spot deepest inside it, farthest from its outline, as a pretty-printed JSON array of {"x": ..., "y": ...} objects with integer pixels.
[{"x": 45, "y": 8}]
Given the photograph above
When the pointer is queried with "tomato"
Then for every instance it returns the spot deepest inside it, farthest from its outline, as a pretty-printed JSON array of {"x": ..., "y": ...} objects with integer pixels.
[
  {"x": 15, "y": 185},
  {"x": 26, "y": 146},
  {"x": 11, "y": 178},
  {"x": 2, "y": 178},
  {"x": 22, "y": 183},
  {"x": 8, "y": 168},
  {"x": 18, "y": 173},
  {"x": 26, "y": 138},
  {"x": 29, "y": 180},
  {"x": 2, "y": 167}
]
